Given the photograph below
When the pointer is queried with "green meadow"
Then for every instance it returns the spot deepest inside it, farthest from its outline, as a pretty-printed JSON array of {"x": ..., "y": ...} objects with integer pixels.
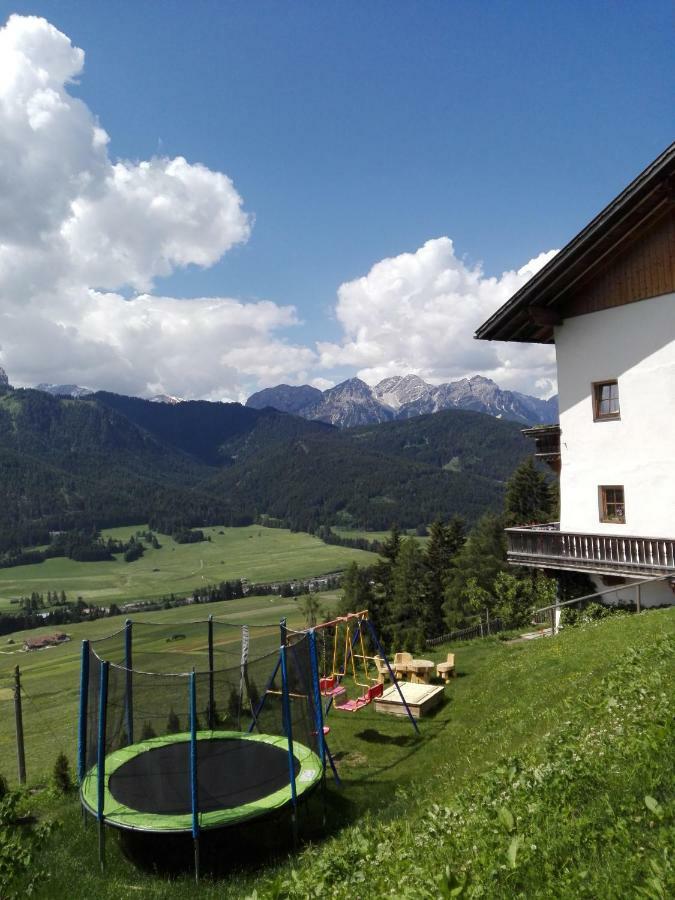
[
  {"x": 526, "y": 782},
  {"x": 254, "y": 553}
]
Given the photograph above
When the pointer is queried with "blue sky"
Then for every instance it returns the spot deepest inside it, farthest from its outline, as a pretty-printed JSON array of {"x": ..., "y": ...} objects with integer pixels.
[{"x": 355, "y": 132}]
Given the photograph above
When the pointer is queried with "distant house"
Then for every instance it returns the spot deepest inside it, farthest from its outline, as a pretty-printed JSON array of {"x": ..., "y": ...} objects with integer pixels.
[
  {"x": 45, "y": 640},
  {"x": 607, "y": 301}
]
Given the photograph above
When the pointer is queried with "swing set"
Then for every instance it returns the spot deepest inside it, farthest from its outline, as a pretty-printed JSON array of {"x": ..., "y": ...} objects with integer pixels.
[{"x": 349, "y": 657}]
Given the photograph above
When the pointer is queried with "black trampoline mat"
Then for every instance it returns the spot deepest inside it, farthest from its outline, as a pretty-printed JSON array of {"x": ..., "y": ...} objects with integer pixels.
[{"x": 230, "y": 773}]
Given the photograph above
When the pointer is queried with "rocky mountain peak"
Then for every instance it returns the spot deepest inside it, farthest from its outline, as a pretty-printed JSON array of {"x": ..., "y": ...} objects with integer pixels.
[
  {"x": 352, "y": 387},
  {"x": 288, "y": 398},
  {"x": 64, "y": 390},
  {"x": 166, "y": 398},
  {"x": 397, "y": 392},
  {"x": 4, "y": 380},
  {"x": 353, "y": 402}
]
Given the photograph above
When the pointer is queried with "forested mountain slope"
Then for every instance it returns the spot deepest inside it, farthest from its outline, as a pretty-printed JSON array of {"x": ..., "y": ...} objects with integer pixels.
[{"x": 106, "y": 460}]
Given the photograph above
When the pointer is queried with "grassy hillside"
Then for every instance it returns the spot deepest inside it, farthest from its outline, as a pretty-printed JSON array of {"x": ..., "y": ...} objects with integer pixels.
[
  {"x": 255, "y": 553},
  {"x": 547, "y": 773}
]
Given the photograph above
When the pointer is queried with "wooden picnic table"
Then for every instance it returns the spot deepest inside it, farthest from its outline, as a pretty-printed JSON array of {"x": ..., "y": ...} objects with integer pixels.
[{"x": 420, "y": 670}]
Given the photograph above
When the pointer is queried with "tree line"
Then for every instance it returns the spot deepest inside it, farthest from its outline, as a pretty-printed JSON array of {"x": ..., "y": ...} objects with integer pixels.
[{"x": 416, "y": 593}]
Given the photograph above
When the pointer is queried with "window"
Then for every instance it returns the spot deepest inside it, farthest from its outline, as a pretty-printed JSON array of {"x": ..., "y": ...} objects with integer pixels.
[
  {"x": 605, "y": 400},
  {"x": 612, "y": 505}
]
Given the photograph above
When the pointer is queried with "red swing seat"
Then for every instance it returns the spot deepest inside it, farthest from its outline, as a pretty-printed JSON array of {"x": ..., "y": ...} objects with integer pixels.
[
  {"x": 371, "y": 694},
  {"x": 329, "y": 687}
]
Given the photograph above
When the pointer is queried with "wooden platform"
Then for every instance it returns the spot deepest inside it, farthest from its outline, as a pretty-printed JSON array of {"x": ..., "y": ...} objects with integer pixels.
[{"x": 421, "y": 698}]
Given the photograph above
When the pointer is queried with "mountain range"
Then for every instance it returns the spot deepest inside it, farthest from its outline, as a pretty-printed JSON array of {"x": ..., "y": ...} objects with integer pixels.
[
  {"x": 353, "y": 402},
  {"x": 105, "y": 459}
]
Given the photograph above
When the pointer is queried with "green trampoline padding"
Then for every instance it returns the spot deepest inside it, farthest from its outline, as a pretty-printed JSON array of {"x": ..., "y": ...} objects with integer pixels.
[{"x": 240, "y": 776}]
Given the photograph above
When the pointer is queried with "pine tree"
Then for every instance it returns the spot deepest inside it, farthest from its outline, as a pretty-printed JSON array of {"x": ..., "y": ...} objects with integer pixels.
[
  {"x": 406, "y": 620},
  {"x": 528, "y": 497},
  {"x": 476, "y": 565},
  {"x": 357, "y": 592},
  {"x": 444, "y": 542}
]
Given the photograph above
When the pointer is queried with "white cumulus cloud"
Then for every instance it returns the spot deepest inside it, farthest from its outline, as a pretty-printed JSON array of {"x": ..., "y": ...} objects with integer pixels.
[
  {"x": 417, "y": 312},
  {"x": 80, "y": 231},
  {"x": 77, "y": 227}
]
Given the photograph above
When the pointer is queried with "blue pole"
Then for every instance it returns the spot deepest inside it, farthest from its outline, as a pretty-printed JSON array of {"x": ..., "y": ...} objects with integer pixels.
[
  {"x": 256, "y": 712},
  {"x": 100, "y": 760},
  {"x": 289, "y": 734},
  {"x": 393, "y": 677},
  {"x": 317, "y": 696},
  {"x": 84, "y": 707},
  {"x": 193, "y": 771},
  {"x": 212, "y": 699},
  {"x": 318, "y": 707},
  {"x": 128, "y": 665}
]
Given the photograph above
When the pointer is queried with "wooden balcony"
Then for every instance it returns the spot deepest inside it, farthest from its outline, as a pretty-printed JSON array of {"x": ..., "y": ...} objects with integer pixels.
[
  {"x": 546, "y": 547},
  {"x": 547, "y": 443}
]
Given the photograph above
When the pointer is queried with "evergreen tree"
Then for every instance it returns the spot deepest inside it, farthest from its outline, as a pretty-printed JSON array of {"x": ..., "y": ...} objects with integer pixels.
[
  {"x": 528, "y": 497},
  {"x": 476, "y": 565},
  {"x": 357, "y": 592},
  {"x": 406, "y": 619},
  {"x": 444, "y": 542}
]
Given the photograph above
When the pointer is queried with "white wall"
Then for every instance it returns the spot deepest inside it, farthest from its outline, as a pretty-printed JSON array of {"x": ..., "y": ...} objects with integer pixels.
[
  {"x": 652, "y": 593},
  {"x": 635, "y": 344}
]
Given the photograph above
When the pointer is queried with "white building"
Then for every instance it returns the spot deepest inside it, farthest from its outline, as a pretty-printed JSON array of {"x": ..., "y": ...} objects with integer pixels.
[{"x": 607, "y": 301}]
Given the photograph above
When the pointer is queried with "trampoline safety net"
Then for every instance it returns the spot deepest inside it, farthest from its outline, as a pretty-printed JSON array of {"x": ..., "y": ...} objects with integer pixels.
[{"x": 244, "y": 712}]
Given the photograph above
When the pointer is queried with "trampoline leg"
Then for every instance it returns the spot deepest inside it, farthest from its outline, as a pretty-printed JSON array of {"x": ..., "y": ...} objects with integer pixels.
[
  {"x": 196, "y": 842},
  {"x": 101, "y": 844}
]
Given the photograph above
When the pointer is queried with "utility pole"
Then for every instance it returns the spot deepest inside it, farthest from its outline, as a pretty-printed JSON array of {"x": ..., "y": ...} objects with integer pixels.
[{"x": 18, "y": 715}]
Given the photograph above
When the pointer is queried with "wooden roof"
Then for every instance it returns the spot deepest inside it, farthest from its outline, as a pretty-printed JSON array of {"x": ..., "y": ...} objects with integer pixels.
[{"x": 648, "y": 201}]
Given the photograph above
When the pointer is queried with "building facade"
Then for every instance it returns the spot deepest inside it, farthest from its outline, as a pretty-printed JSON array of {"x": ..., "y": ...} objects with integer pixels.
[{"x": 607, "y": 302}]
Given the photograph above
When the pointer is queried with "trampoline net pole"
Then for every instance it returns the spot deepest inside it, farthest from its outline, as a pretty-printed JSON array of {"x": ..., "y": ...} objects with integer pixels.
[
  {"x": 128, "y": 665},
  {"x": 318, "y": 712},
  {"x": 193, "y": 770},
  {"x": 82, "y": 723},
  {"x": 212, "y": 702},
  {"x": 288, "y": 728},
  {"x": 102, "y": 715}
]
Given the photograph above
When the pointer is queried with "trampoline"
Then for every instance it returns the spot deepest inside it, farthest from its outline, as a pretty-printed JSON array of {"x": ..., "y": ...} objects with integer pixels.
[
  {"x": 240, "y": 777},
  {"x": 205, "y": 728}
]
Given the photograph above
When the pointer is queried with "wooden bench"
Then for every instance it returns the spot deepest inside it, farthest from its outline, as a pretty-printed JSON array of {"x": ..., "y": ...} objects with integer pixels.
[{"x": 445, "y": 669}]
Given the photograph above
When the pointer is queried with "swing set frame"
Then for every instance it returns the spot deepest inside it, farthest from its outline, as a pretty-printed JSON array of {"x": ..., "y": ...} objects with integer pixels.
[{"x": 357, "y": 625}]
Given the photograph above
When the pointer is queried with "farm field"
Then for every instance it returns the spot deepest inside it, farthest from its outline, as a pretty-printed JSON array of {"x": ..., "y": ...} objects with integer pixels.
[
  {"x": 509, "y": 700},
  {"x": 255, "y": 553}
]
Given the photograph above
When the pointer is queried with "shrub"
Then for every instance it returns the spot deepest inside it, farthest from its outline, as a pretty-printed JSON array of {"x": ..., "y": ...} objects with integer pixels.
[
  {"x": 172, "y": 723},
  {"x": 147, "y": 732},
  {"x": 62, "y": 779}
]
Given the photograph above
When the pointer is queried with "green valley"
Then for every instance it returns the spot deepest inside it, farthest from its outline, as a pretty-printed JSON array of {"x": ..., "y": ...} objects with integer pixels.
[{"x": 254, "y": 553}]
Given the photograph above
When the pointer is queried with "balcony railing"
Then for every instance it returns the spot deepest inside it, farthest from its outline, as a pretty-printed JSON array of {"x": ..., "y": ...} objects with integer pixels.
[
  {"x": 546, "y": 547},
  {"x": 546, "y": 441}
]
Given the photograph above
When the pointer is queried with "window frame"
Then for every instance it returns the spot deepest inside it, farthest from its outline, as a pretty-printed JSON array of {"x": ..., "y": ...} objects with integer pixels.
[
  {"x": 596, "y": 390},
  {"x": 602, "y": 503}
]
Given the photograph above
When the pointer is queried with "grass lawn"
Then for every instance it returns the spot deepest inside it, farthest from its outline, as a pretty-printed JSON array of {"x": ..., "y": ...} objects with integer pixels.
[
  {"x": 255, "y": 553},
  {"x": 504, "y": 701}
]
